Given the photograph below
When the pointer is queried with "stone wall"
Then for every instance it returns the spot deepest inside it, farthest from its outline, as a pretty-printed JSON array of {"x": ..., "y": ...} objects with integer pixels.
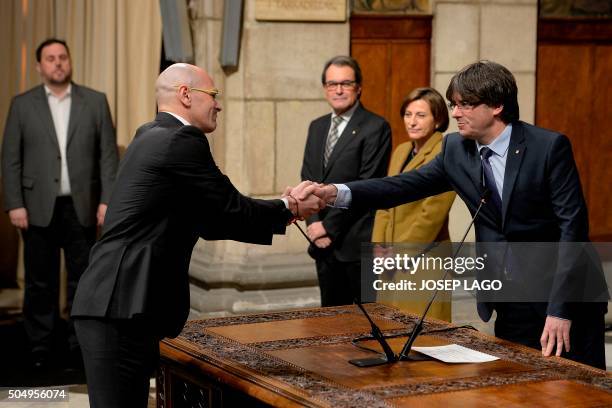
[
  {"x": 268, "y": 104},
  {"x": 503, "y": 31}
]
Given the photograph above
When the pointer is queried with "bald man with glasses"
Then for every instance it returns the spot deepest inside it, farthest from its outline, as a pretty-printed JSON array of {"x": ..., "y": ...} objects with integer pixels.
[{"x": 168, "y": 194}]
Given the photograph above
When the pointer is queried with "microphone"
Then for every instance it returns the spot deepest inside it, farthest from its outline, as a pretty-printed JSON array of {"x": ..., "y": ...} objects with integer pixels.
[
  {"x": 389, "y": 356},
  {"x": 403, "y": 355}
]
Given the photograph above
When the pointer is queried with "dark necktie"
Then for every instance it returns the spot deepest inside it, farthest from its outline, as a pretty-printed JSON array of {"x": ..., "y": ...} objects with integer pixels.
[
  {"x": 332, "y": 138},
  {"x": 489, "y": 180}
]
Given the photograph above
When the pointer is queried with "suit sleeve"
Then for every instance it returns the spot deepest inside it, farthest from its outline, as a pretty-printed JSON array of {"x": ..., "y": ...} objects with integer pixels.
[
  {"x": 12, "y": 160},
  {"x": 570, "y": 209},
  {"x": 224, "y": 213},
  {"x": 403, "y": 188},
  {"x": 374, "y": 162},
  {"x": 108, "y": 151}
]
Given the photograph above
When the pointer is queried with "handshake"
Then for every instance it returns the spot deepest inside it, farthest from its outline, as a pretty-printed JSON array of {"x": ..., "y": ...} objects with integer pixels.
[{"x": 308, "y": 198}]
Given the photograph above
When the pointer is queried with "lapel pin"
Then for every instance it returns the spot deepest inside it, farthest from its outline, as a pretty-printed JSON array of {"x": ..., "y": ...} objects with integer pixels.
[
  {"x": 354, "y": 131},
  {"x": 516, "y": 152}
]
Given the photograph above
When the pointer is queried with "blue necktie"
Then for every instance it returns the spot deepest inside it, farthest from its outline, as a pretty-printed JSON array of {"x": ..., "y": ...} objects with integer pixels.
[{"x": 489, "y": 180}]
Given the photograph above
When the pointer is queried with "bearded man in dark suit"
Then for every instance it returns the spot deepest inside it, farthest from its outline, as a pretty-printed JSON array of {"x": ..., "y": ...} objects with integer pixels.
[
  {"x": 535, "y": 196},
  {"x": 351, "y": 143},
  {"x": 59, "y": 160},
  {"x": 168, "y": 193}
]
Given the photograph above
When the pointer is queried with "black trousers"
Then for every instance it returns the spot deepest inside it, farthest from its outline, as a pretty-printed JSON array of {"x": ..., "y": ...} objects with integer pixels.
[
  {"x": 120, "y": 355},
  {"x": 339, "y": 282},
  {"x": 42, "y": 272},
  {"x": 521, "y": 323}
]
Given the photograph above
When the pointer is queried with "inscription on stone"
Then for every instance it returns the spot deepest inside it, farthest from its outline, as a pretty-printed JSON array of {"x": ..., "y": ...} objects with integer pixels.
[{"x": 300, "y": 10}]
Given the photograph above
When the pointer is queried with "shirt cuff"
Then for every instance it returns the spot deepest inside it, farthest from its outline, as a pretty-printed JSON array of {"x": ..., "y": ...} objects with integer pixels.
[{"x": 344, "y": 196}]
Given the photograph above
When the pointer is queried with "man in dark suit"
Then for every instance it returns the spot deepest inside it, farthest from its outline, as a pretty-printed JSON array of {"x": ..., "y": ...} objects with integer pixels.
[
  {"x": 351, "y": 143},
  {"x": 168, "y": 193},
  {"x": 59, "y": 159},
  {"x": 535, "y": 195}
]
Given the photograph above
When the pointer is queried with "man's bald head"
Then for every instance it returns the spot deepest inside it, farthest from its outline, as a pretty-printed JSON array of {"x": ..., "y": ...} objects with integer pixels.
[
  {"x": 176, "y": 74},
  {"x": 176, "y": 91}
]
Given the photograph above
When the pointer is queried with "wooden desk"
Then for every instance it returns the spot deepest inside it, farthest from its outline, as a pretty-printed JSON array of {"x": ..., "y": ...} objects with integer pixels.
[{"x": 300, "y": 358}]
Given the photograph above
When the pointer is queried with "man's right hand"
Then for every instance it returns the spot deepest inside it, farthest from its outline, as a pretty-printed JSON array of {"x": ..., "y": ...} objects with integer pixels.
[
  {"x": 326, "y": 192},
  {"x": 19, "y": 218}
]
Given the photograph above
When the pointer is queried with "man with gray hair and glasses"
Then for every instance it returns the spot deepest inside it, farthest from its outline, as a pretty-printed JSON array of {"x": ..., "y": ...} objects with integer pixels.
[{"x": 350, "y": 143}]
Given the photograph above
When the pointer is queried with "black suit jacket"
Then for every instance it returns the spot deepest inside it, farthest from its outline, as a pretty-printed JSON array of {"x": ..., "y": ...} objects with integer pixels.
[
  {"x": 542, "y": 197},
  {"x": 31, "y": 162},
  {"x": 362, "y": 152},
  {"x": 168, "y": 193}
]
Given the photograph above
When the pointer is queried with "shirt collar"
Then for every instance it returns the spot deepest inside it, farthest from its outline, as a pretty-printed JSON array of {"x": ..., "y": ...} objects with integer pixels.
[
  {"x": 346, "y": 116},
  {"x": 66, "y": 94},
  {"x": 501, "y": 143},
  {"x": 179, "y": 118}
]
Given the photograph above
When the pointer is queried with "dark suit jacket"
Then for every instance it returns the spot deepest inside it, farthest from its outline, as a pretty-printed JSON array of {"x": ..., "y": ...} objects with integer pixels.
[
  {"x": 362, "y": 152},
  {"x": 542, "y": 196},
  {"x": 31, "y": 161},
  {"x": 168, "y": 193}
]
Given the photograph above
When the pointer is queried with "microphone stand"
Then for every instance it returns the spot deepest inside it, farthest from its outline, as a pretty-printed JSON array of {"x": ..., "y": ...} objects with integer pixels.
[
  {"x": 403, "y": 355},
  {"x": 389, "y": 356}
]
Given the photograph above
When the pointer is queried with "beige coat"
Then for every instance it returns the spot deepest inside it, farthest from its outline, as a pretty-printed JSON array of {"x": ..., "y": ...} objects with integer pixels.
[{"x": 422, "y": 221}]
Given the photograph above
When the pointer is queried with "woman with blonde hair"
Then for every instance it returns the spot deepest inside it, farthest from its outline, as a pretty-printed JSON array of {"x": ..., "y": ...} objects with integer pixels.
[{"x": 425, "y": 221}]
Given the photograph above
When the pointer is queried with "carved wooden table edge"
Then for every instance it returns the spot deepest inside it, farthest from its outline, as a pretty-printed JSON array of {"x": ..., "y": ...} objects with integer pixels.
[
  {"x": 253, "y": 363},
  {"x": 235, "y": 375}
]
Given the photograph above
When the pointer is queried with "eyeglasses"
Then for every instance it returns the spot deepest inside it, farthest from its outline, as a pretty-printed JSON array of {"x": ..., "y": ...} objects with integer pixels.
[
  {"x": 332, "y": 85},
  {"x": 212, "y": 92},
  {"x": 463, "y": 105}
]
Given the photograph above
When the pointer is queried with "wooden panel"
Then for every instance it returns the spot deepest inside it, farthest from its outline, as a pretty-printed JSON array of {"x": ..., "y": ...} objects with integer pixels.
[
  {"x": 562, "y": 107},
  {"x": 574, "y": 97},
  {"x": 394, "y": 54},
  {"x": 564, "y": 30},
  {"x": 410, "y": 66},
  {"x": 391, "y": 26},
  {"x": 374, "y": 94},
  {"x": 599, "y": 145},
  {"x": 339, "y": 370}
]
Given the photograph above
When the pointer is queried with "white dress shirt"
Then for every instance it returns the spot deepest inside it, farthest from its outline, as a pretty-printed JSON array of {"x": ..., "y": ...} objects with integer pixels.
[{"x": 60, "y": 112}]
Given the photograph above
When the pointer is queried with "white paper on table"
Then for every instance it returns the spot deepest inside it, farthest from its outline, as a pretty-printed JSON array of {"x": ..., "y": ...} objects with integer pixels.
[{"x": 454, "y": 353}]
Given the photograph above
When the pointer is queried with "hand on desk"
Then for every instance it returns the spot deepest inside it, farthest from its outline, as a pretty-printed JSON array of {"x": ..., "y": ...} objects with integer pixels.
[{"x": 556, "y": 333}]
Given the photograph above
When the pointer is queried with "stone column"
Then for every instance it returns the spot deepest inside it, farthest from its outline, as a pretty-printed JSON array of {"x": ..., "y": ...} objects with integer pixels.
[{"x": 268, "y": 104}]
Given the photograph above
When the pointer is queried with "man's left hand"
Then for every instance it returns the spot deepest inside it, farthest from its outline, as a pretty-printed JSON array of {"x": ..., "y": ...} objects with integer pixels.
[
  {"x": 556, "y": 333},
  {"x": 101, "y": 214}
]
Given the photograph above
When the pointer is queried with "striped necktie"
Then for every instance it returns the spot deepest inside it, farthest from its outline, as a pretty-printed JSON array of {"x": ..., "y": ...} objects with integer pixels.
[{"x": 332, "y": 138}]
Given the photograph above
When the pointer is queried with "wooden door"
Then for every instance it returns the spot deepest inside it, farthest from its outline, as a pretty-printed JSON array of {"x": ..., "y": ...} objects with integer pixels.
[
  {"x": 574, "y": 96},
  {"x": 394, "y": 55}
]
